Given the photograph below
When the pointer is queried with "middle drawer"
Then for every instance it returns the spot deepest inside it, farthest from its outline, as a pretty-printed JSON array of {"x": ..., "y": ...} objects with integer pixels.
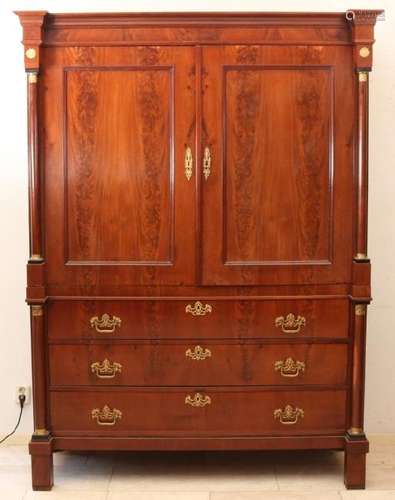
[{"x": 207, "y": 364}]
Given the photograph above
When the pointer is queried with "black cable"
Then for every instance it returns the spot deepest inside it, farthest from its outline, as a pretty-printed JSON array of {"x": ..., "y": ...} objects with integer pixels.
[{"x": 22, "y": 399}]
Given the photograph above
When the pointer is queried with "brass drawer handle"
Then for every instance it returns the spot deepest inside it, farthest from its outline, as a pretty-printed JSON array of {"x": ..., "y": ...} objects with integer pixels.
[
  {"x": 198, "y": 309},
  {"x": 188, "y": 163},
  {"x": 206, "y": 163},
  {"x": 198, "y": 353},
  {"x": 106, "y": 416},
  {"x": 105, "y": 324},
  {"x": 106, "y": 369},
  {"x": 289, "y": 415},
  {"x": 291, "y": 323},
  {"x": 198, "y": 400},
  {"x": 289, "y": 367}
]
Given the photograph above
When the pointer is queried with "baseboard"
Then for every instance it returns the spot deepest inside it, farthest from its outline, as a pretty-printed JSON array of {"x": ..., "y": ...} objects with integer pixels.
[
  {"x": 379, "y": 439},
  {"x": 18, "y": 439}
]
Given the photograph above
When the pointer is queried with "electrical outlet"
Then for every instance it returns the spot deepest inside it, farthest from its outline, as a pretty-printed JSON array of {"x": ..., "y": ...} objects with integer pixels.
[{"x": 23, "y": 389}]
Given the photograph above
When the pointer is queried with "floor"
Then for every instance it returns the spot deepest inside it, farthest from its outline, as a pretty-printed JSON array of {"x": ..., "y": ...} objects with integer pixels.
[{"x": 313, "y": 475}]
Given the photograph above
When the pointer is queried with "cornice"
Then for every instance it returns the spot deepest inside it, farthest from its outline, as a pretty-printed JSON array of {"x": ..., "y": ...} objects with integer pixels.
[
  {"x": 129, "y": 19},
  {"x": 46, "y": 29},
  {"x": 359, "y": 16},
  {"x": 362, "y": 24}
]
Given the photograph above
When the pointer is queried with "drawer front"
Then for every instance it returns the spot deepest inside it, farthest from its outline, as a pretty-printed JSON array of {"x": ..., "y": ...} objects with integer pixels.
[
  {"x": 209, "y": 363},
  {"x": 197, "y": 412},
  {"x": 203, "y": 318}
]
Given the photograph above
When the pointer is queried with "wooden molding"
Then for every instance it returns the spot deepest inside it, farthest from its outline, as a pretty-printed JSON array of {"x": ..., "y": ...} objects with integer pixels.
[
  {"x": 362, "y": 16},
  {"x": 362, "y": 158},
  {"x": 362, "y": 34},
  {"x": 358, "y": 371},
  {"x": 38, "y": 369},
  {"x": 125, "y": 19},
  {"x": 32, "y": 23},
  {"x": 126, "y": 28},
  {"x": 35, "y": 240}
]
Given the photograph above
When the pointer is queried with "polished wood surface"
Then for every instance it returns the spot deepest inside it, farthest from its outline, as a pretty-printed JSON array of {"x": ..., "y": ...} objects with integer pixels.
[
  {"x": 227, "y": 319},
  {"x": 219, "y": 363},
  {"x": 355, "y": 463},
  {"x": 35, "y": 186},
  {"x": 358, "y": 369},
  {"x": 198, "y": 276},
  {"x": 285, "y": 163},
  {"x": 118, "y": 164},
  {"x": 361, "y": 250},
  {"x": 241, "y": 412},
  {"x": 39, "y": 362},
  {"x": 120, "y": 207},
  {"x": 274, "y": 185},
  {"x": 42, "y": 464},
  {"x": 201, "y": 443}
]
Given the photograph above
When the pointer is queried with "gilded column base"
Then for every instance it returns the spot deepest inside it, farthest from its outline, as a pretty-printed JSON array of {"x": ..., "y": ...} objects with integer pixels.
[
  {"x": 36, "y": 259},
  {"x": 41, "y": 435},
  {"x": 355, "y": 434},
  {"x": 361, "y": 257}
]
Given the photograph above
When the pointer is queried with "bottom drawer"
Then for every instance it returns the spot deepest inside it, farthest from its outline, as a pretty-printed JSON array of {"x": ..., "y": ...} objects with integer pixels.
[{"x": 189, "y": 412}]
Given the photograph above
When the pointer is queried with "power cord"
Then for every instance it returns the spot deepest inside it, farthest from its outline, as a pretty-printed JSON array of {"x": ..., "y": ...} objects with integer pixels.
[{"x": 22, "y": 399}]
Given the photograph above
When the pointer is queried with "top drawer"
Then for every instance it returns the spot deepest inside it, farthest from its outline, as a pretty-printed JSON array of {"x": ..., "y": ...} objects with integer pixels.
[{"x": 203, "y": 318}]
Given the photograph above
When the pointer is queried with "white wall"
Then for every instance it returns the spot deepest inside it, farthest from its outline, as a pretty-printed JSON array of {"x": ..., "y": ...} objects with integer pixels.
[{"x": 14, "y": 321}]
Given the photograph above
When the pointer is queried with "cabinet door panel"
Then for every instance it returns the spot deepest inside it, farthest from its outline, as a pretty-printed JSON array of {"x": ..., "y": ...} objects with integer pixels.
[
  {"x": 277, "y": 203},
  {"x": 119, "y": 206},
  {"x": 119, "y": 184}
]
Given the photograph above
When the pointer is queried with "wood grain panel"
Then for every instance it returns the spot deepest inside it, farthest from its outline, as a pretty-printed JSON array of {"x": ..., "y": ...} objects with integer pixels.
[
  {"x": 119, "y": 207},
  {"x": 280, "y": 156},
  {"x": 119, "y": 166},
  {"x": 168, "y": 319},
  {"x": 204, "y": 28},
  {"x": 278, "y": 164},
  {"x": 237, "y": 412},
  {"x": 229, "y": 443},
  {"x": 153, "y": 364}
]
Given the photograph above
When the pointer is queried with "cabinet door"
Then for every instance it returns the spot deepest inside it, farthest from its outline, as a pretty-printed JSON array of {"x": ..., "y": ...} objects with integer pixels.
[
  {"x": 277, "y": 204},
  {"x": 117, "y": 123}
]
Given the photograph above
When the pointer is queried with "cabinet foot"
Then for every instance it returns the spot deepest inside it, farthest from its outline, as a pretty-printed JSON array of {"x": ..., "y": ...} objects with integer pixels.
[
  {"x": 42, "y": 464},
  {"x": 355, "y": 462}
]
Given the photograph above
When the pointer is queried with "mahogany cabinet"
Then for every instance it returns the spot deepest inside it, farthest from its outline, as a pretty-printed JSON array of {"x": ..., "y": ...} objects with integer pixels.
[{"x": 198, "y": 274}]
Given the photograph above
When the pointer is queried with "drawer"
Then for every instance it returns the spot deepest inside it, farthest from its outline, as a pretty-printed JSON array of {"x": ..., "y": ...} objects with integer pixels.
[
  {"x": 197, "y": 412},
  {"x": 208, "y": 363},
  {"x": 203, "y": 318}
]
